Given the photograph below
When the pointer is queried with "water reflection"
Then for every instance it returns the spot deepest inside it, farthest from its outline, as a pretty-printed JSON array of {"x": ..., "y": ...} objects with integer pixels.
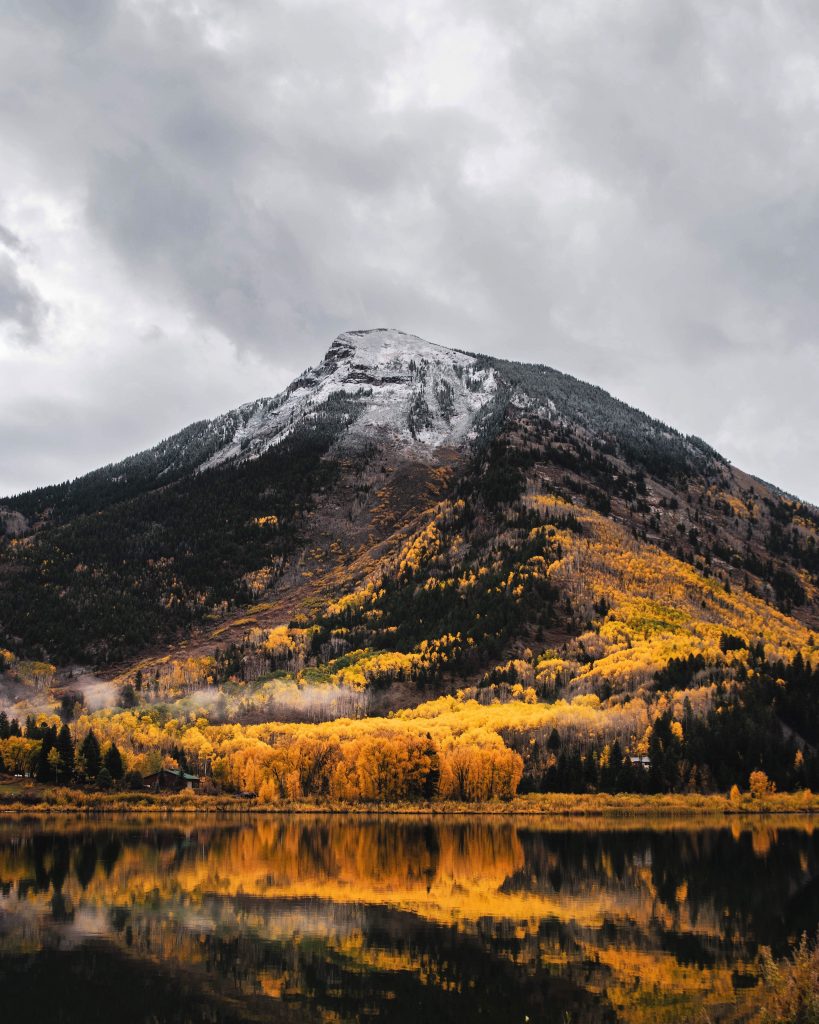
[{"x": 348, "y": 919}]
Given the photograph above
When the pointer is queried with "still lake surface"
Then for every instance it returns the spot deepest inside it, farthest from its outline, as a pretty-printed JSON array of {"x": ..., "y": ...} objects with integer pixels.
[{"x": 347, "y": 918}]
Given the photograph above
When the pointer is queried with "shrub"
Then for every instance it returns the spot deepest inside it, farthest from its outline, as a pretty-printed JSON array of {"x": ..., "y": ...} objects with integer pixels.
[{"x": 790, "y": 993}]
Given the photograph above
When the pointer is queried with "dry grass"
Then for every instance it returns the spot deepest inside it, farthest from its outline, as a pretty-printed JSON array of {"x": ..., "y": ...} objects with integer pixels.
[
  {"x": 28, "y": 797},
  {"x": 790, "y": 987}
]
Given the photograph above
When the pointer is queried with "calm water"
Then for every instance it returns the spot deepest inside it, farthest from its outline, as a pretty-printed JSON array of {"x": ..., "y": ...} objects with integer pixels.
[{"x": 352, "y": 919}]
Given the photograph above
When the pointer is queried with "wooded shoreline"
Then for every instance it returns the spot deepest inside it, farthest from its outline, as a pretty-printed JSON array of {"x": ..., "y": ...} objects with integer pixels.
[{"x": 56, "y": 800}]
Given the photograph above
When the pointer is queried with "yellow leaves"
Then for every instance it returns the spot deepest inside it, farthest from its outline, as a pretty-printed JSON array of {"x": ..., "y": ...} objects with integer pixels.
[
  {"x": 647, "y": 617},
  {"x": 267, "y": 521},
  {"x": 551, "y": 672},
  {"x": 433, "y": 583},
  {"x": 479, "y": 774},
  {"x": 363, "y": 768},
  {"x": 760, "y": 785},
  {"x": 390, "y": 666},
  {"x": 466, "y": 583},
  {"x": 34, "y": 673},
  {"x": 369, "y": 758},
  {"x": 525, "y": 693},
  {"x": 279, "y": 642},
  {"x": 19, "y": 754},
  {"x": 354, "y": 601},
  {"x": 421, "y": 549},
  {"x": 658, "y": 607}
]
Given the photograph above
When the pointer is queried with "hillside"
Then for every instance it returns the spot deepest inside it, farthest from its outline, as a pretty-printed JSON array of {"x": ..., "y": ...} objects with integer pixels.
[{"x": 531, "y": 578}]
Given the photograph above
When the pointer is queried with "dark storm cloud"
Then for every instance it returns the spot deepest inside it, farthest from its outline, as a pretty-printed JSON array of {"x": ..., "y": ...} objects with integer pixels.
[{"x": 627, "y": 192}]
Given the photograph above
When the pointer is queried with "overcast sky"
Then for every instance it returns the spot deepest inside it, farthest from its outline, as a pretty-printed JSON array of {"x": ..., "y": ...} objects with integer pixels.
[{"x": 196, "y": 197}]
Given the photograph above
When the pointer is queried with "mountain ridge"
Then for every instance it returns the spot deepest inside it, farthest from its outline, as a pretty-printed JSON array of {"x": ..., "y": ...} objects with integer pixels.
[{"x": 245, "y": 431}]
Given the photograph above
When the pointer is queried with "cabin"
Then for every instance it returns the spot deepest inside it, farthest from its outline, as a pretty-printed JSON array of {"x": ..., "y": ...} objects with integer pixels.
[
  {"x": 170, "y": 780},
  {"x": 641, "y": 762}
]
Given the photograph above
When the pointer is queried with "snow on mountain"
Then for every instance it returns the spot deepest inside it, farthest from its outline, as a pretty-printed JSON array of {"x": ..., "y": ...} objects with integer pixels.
[
  {"x": 398, "y": 390},
  {"x": 397, "y": 387}
]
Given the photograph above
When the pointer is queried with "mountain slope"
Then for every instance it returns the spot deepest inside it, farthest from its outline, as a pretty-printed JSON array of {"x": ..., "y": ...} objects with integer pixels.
[{"x": 322, "y": 480}]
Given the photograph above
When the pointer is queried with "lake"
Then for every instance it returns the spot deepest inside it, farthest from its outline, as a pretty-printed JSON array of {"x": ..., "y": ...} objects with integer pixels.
[{"x": 351, "y": 918}]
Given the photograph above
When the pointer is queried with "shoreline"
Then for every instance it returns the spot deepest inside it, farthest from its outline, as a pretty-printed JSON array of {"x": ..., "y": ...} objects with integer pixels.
[{"x": 57, "y": 801}]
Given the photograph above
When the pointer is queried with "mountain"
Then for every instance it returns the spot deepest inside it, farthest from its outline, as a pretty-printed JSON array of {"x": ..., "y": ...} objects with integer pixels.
[
  {"x": 379, "y": 386},
  {"x": 408, "y": 521}
]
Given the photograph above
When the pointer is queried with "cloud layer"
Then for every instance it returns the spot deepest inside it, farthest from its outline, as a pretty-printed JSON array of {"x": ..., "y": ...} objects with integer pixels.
[{"x": 195, "y": 197}]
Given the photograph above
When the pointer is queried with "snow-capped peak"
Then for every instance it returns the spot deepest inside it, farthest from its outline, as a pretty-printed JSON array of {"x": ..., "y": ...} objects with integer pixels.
[{"x": 398, "y": 387}]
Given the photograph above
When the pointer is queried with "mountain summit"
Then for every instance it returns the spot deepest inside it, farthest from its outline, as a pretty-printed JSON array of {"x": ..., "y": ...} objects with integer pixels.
[
  {"x": 387, "y": 388},
  {"x": 396, "y": 388},
  {"x": 391, "y": 385}
]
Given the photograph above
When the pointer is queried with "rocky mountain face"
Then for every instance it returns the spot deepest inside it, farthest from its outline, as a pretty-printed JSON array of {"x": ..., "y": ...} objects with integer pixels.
[
  {"x": 291, "y": 501},
  {"x": 394, "y": 388}
]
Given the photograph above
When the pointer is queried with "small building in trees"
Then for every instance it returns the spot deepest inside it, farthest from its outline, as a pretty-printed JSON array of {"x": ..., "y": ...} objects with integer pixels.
[{"x": 170, "y": 780}]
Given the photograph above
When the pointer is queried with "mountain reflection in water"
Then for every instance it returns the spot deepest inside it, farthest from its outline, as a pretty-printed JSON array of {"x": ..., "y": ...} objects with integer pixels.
[{"x": 331, "y": 918}]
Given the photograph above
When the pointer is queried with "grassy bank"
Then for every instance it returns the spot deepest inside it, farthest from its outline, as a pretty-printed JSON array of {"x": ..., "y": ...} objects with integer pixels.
[{"x": 32, "y": 798}]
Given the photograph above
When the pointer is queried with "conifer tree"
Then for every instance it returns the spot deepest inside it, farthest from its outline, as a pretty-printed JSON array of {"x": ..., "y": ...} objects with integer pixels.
[
  {"x": 65, "y": 749},
  {"x": 43, "y": 771},
  {"x": 113, "y": 762},
  {"x": 90, "y": 751}
]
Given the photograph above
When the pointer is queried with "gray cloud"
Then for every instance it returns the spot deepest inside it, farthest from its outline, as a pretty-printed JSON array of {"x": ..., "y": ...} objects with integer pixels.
[
  {"x": 9, "y": 240},
  {"x": 627, "y": 192},
  {"x": 22, "y": 310}
]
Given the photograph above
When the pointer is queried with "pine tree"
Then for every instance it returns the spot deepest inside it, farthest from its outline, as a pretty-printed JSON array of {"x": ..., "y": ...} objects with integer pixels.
[
  {"x": 127, "y": 696},
  {"x": 65, "y": 748},
  {"x": 113, "y": 762},
  {"x": 614, "y": 769},
  {"x": 4, "y": 726},
  {"x": 90, "y": 751},
  {"x": 433, "y": 776},
  {"x": 43, "y": 771}
]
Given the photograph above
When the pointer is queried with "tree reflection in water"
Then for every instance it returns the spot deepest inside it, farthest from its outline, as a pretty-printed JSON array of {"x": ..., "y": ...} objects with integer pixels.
[{"x": 344, "y": 919}]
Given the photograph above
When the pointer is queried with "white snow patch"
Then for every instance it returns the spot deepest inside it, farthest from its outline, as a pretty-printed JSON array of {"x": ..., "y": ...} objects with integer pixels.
[{"x": 413, "y": 393}]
